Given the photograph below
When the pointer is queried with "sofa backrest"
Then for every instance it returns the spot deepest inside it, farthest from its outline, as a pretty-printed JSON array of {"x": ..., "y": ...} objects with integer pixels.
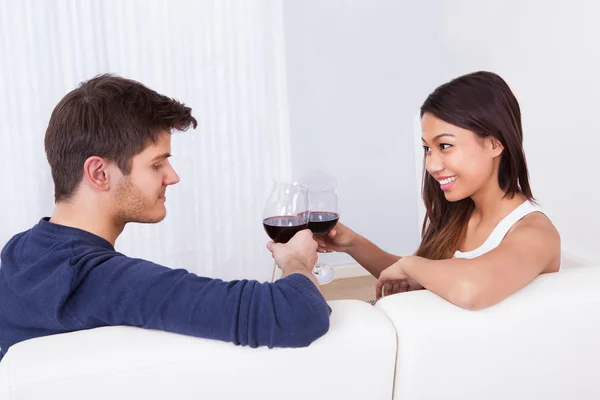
[
  {"x": 354, "y": 361},
  {"x": 543, "y": 342}
]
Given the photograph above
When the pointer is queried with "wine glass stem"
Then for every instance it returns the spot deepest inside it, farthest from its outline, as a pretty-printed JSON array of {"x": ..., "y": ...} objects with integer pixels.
[{"x": 317, "y": 270}]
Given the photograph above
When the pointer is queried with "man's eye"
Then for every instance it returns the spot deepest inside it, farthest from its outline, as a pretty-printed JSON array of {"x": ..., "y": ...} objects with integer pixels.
[{"x": 157, "y": 166}]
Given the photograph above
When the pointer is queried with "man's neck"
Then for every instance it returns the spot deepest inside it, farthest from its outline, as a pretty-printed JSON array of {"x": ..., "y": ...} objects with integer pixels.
[{"x": 88, "y": 217}]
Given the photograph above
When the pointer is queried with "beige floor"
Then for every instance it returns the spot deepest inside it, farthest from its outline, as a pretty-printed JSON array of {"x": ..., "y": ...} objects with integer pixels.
[{"x": 362, "y": 288}]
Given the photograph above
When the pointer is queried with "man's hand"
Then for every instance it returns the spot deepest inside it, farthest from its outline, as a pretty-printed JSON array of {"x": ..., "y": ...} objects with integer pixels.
[{"x": 299, "y": 254}]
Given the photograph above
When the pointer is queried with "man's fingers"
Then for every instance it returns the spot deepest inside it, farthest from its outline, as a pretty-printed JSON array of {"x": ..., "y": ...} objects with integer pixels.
[
  {"x": 315, "y": 245},
  {"x": 305, "y": 232}
]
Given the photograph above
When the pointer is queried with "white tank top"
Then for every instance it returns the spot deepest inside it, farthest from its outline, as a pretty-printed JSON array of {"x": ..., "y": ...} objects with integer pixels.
[{"x": 500, "y": 230}]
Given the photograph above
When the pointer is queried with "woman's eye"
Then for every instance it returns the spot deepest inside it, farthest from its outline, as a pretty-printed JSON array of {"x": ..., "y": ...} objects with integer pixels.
[
  {"x": 426, "y": 149},
  {"x": 445, "y": 146}
]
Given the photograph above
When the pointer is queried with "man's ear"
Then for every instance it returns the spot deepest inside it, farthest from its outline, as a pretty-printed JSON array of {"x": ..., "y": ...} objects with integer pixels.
[{"x": 96, "y": 173}]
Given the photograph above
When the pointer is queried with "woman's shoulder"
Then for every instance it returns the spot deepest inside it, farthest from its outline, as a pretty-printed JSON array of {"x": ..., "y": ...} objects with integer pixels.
[
  {"x": 529, "y": 217},
  {"x": 537, "y": 220},
  {"x": 534, "y": 229}
]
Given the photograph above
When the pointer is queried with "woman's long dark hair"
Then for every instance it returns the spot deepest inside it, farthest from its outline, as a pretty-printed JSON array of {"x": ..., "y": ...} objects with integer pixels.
[{"x": 483, "y": 103}]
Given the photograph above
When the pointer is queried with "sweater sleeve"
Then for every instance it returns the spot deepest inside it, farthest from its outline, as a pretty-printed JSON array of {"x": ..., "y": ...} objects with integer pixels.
[{"x": 117, "y": 290}]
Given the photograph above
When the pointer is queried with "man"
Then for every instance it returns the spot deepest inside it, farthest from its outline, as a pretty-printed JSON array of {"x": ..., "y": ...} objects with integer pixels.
[{"x": 108, "y": 144}]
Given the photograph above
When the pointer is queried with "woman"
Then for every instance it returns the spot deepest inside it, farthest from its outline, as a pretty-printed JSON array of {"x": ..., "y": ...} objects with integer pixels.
[{"x": 483, "y": 237}]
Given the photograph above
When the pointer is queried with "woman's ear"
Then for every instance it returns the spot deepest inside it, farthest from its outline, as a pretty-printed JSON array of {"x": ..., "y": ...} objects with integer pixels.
[{"x": 496, "y": 147}]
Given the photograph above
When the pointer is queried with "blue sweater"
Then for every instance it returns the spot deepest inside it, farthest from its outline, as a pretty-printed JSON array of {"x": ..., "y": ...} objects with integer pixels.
[{"x": 56, "y": 279}]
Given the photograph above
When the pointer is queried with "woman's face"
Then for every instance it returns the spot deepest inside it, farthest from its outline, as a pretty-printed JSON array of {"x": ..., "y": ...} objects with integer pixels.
[{"x": 461, "y": 162}]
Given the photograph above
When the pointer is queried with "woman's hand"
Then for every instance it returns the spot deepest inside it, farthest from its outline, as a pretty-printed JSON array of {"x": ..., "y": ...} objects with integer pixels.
[
  {"x": 340, "y": 238},
  {"x": 394, "y": 279}
]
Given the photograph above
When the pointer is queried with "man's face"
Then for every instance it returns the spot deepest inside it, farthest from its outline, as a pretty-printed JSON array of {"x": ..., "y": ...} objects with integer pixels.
[{"x": 140, "y": 195}]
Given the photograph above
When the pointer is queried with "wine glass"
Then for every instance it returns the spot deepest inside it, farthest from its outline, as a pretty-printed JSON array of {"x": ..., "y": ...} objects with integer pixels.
[
  {"x": 286, "y": 211},
  {"x": 324, "y": 214}
]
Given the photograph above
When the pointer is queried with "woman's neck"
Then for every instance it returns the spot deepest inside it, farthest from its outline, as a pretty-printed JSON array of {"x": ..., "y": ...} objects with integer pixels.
[{"x": 492, "y": 205}]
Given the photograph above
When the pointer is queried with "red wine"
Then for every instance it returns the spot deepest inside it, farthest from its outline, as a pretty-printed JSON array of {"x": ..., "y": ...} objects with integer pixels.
[
  {"x": 281, "y": 229},
  {"x": 321, "y": 222}
]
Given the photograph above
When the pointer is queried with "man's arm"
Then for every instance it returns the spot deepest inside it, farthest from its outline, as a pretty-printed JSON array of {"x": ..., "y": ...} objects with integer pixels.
[{"x": 118, "y": 290}]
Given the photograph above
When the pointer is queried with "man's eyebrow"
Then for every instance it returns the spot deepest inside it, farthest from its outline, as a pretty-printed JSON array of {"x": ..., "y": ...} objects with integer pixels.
[{"x": 161, "y": 156}]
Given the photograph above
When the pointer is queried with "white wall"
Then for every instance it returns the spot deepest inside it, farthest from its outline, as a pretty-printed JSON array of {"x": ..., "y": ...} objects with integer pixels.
[
  {"x": 549, "y": 55},
  {"x": 357, "y": 72},
  {"x": 224, "y": 59}
]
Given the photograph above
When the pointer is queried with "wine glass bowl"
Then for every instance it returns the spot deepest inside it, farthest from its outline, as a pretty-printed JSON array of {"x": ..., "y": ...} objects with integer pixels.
[
  {"x": 324, "y": 213},
  {"x": 286, "y": 211}
]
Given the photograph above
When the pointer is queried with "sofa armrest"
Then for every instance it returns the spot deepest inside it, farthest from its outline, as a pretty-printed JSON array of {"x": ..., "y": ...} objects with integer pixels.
[
  {"x": 354, "y": 360},
  {"x": 541, "y": 343}
]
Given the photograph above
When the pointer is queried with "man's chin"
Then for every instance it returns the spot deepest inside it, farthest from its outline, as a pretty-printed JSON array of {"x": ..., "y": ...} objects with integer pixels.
[
  {"x": 149, "y": 219},
  {"x": 156, "y": 220}
]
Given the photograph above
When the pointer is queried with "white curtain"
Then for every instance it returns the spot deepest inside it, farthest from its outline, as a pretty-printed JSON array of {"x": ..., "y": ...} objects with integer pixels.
[{"x": 226, "y": 59}]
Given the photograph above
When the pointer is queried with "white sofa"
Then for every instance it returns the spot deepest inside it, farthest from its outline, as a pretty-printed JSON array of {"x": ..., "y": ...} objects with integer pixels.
[{"x": 541, "y": 343}]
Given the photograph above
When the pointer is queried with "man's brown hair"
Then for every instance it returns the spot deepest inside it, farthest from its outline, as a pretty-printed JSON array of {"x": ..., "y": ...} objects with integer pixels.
[{"x": 110, "y": 117}]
